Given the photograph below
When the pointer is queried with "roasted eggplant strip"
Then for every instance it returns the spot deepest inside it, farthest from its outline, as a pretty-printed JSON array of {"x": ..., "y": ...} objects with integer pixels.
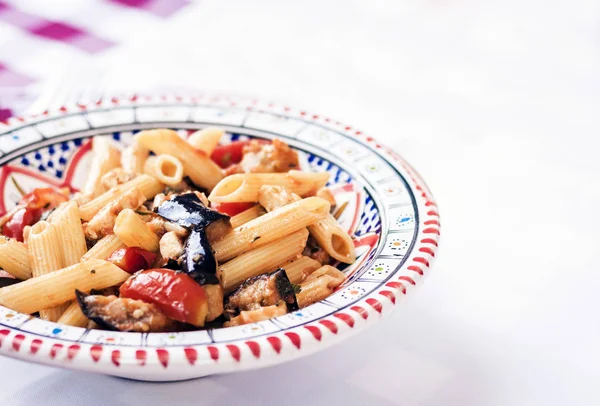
[
  {"x": 261, "y": 291},
  {"x": 198, "y": 259},
  {"x": 188, "y": 211},
  {"x": 122, "y": 314}
]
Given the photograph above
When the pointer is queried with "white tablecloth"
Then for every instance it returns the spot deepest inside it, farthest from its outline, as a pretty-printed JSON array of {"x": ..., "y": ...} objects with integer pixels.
[{"x": 496, "y": 104}]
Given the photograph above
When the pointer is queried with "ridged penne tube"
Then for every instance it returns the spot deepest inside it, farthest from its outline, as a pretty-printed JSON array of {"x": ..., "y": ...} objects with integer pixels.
[
  {"x": 58, "y": 287},
  {"x": 14, "y": 258},
  {"x": 166, "y": 168},
  {"x": 134, "y": 157},
  {"x": 335, "y": 241},
  {"x": 327, "y": 232},
  {"x": 270, "y": 227},
  {"x": 148, "y": 185},
  {"x": 133, "y": 232},
  {"x": 246, "y": 187},
  {"x": 207, "y": 139},
  {"x": 261, "y": 260},
  {"x": 73, "y": 316},
  {"x": 67, "y": 221},
  {"x": 105, "y": 158},
  {"x": 104, "y": 248},
  {"x": 247, "y": 215},
  {"x": 46, "y": 256},
  {"x": 196, "y": 164},
  {"x": 297, "y": 269},
  {"x": 319, "y": 285}
]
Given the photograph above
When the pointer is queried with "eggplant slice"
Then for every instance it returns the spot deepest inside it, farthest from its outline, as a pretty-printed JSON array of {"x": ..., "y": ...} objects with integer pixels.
[
  {"x": 122, "y": 314},
  {"x": 198, "y": 259},
  {"x": 262, "y": 291},
  {"x": 188, "y": 211}
]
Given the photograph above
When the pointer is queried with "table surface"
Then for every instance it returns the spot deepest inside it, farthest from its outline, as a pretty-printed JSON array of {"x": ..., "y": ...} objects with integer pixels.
[{"x": 496, "y": 104}]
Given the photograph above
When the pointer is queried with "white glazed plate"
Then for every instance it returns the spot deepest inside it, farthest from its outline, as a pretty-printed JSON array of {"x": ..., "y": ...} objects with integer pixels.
[{"x": 391, "y": 215}]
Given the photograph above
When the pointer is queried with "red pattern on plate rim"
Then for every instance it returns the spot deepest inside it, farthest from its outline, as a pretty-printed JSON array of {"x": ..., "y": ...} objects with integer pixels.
[{"x": 426, "y": 247}]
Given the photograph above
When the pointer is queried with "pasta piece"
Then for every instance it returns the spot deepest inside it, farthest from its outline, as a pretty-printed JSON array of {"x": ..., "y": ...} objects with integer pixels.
[
  {"x": 73, "y": 316},
  {"x": 58, "y": 287},
  {"x": 254, "y": 316},
  {"x": 206, "y": 140},
  {"x": 104, "y": 248},
  {"x": 261, "y": 260},
  {"x": 132, "y": 230},
  {"x": 247, "y": 215},
  {"x": 171, "y": 246},
  {"x": 335, "y": 241},
  {"x": 14, "y": 258},
  {"x": 134, "y": 157},
  {"x": 246, "y": 187},
  {"x": 149, "y": 187},
  {"x": 67, "y": 221},
  {"x": 297, "y": 269},
  {"x": 45, "y": 256},
  {"x": 103, "y": 222},
  {"x": 319, "y": 285},
  {"x": 106, "y": 158},
  {"x": 327, "y": 232},
  {"x": 166, "y": 168},
  {"x": 270, "y": 227},
  {"x": 196, "y": 164}
]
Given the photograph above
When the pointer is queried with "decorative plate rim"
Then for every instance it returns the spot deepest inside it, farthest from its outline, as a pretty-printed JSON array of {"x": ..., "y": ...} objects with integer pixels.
[{"x": 151, "y": 362}]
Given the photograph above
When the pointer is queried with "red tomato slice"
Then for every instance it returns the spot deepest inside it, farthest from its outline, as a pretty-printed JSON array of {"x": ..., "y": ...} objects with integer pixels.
[
  {"x": 176, "y": 294},
  {"x": 229, "y": 154},
  {"x": 231, "y": 209},
  {"x": 44, "y": 198},
  {"x": 23, "y": 217},
  {"x": 132, "y": 259}
]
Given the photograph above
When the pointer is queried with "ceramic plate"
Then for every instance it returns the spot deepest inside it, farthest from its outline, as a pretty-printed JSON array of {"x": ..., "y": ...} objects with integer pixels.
[{"x": 390, "y": 213}]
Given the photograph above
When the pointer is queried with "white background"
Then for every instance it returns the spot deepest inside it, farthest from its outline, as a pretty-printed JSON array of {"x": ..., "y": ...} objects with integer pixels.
[{"x": 496, "y": 104}]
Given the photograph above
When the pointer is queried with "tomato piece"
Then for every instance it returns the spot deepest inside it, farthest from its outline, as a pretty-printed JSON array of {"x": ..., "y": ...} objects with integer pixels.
[
  {"x": 22, "y": 218},
  {"x": 44, "y": 198},
  {"x": 232, "y": 153},
  {"x": 231, "y": 209},
  {"x": 176, "y": 294},
  {"x": 132, "y": 259}
]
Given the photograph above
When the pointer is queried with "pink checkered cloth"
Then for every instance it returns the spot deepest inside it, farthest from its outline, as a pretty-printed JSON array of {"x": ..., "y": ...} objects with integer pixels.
[{"x": 30, "y": 32}]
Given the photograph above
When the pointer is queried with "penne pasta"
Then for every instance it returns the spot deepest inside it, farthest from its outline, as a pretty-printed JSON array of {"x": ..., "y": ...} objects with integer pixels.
[
  {"x": 133, "y": 232},
  {"x": 319, "y": 285},
  {"x": 134, "y": 157},
  {"x": 196, "y": 164},
  {"x": 14, "y": 258},
  {"x": 67, "y": 222},
  {"x": 246, "y": 187},
  {"x": 166, "y": 168},
  {"x": 53, "y": 289},
  {"x": 299, "y": 268},
  {"x": 270, "y": 227},
  {"x": 148, "y": 185},
  {"x": 73, "y": 316},
  {"x": 261, "y": 260},
  {"x": 335, "y": 241},
  {"x": 326, "y": 232},
  {"x": 206, "y": 140},
  {"x": 103, "y": 222},
  {"x": 105, "y": 158},
  {"x": 247, "y": 215},
  {"x": 104, "y": 248},
  {"x": 45, "y": 256}
]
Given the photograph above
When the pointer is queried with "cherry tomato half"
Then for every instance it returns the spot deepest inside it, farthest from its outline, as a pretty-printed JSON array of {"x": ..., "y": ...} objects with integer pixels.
[
  {"x": 232, "y": 153},
  {"x": 22, "y": 218},
  {"x": 231, "y": 209},
  {"x": 176, "y": 294},
  {"x": 44, "y": 198},
  {"x": 132, "y": 259}
]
